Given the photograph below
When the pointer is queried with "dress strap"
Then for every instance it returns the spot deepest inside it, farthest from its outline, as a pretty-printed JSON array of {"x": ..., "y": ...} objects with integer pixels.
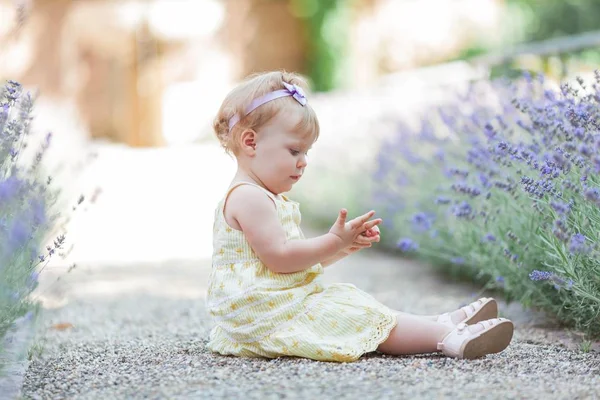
[{"x": 237, "y": 184}]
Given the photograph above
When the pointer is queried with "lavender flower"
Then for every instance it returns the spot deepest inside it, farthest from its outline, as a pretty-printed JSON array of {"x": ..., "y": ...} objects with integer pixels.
[
  {"x": 596, "y": 162},
  {"x": 18, "y": 235},
  {"x": 440, "y": 155},
  {"x": 458, "y": 172},
  {"x": 559, "y": 283},
  {"x": 536, "y": 275},
  {"x": 560, "y": 207},
  {"x": 489, "y": 238},
  {"x": 407, "y": 245},
  {"x": 489, "y": 131},
  {"x": 463, "y": 210},
  {"x": 593, "y": 195},
  {"x": 422, "y": 222},
  {"x": 442, "y": 200},
  {"x": 577, "y": 244},
  {"x": 485, "y": 181},
  {"x": 468, "y": 190},
  {"x": 585, "y": 150},
  {"x": 9, "y": 188}
]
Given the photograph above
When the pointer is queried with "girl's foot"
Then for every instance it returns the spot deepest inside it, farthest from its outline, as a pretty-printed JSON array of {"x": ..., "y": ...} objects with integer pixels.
[
  {"x": 480, "y": 310},
  {"x": 486, "y": 337}
]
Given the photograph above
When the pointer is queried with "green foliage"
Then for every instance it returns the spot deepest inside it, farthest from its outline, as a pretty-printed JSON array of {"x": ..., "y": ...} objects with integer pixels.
[
  {"x": 529, "y": 21},
  {"x": 546, "y": 19},
  {"x": 586, "y": 346},
  {"x": 326, "y": 22}
]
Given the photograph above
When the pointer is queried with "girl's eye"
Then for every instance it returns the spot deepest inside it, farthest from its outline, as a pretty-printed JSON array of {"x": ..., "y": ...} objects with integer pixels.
[{"x": 294, "y": 152}]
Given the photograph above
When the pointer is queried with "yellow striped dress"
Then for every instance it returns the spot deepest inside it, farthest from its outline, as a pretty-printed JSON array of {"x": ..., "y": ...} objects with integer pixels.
[{"x": 260, "y": 313}]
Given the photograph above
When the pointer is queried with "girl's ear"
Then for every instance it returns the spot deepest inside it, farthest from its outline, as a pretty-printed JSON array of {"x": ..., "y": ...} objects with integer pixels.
[{"x": 248, "y": 142}]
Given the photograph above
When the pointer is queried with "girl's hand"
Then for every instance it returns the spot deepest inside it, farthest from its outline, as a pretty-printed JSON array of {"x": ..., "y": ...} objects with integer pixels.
[
  {"x": 373, "y": 232},
  {"x": 363, "y": 241},
  {"x": 349, "y": 232}
]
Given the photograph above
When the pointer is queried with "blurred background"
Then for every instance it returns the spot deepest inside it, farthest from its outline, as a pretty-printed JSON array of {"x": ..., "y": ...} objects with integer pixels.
[{"x": 129, "y": 89}]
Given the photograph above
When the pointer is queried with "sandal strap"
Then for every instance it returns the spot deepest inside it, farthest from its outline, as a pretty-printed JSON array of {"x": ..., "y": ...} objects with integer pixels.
[
  {"x": 473, "y": 307},
  {"x": 451, "y": 344},
  {"x": 469, "y": 310},
  {"x": 491, "y": 322}
]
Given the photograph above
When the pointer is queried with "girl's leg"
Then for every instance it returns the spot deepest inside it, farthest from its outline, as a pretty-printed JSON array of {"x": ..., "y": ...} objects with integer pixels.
[
  {"x": 416, "y": 335},
  {"x": 456, "y": 316},
  {"x": 413, "y": 335}
]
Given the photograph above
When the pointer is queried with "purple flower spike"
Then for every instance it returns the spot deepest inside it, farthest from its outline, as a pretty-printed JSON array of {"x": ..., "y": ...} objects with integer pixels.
[
  {"x": 18, "y": 235},
  {"x": 577, "y": 244},
  {"x": 489, "y": 238},
  {"x": 463, "y": 210},
  {"x": 593, "y": 195},
  {"x": 9, "y": 188},
  {"x": 596, "y": 162},
  {"x": 421, "y": 222},
  {"x": 442, "y": 200},
  {"x": 560, "y": 207},
  {"x": 536, "y": 275},
  {"x": 406, "y": 245},
  {"x": 586, "y": 150}
]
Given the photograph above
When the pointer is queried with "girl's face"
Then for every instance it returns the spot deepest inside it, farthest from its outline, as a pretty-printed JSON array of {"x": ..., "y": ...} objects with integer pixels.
[{"x": 281, "y": 153}]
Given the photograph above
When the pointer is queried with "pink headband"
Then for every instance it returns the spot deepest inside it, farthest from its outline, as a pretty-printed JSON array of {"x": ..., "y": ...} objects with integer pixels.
[{"x": 290, "y": 90}]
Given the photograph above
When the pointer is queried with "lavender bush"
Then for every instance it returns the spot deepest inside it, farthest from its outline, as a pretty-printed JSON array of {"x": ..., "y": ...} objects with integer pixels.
[
  {"x": 503, "y": 185},
  {"x": 26, "y": 208}
]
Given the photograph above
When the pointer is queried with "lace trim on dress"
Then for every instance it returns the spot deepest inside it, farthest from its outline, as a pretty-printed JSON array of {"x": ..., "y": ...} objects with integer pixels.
[{"x": 382, "y": 332}]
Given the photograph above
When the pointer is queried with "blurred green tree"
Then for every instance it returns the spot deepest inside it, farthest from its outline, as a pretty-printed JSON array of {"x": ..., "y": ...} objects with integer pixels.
[
  {"x": 326, "y": 27},
  {"x": 552, "y": 18}
]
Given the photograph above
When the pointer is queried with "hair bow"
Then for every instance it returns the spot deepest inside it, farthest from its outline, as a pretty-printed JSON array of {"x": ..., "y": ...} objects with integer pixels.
[{"x": 297, "y": 92}]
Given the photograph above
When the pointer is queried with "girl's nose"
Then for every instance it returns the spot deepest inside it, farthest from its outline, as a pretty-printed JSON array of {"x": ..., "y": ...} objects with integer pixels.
[{"x": 303, "y": 161}]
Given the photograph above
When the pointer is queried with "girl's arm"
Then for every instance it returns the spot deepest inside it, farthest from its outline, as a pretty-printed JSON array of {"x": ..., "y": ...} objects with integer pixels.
[
  {"x": 333, "y": 260},
  {"x": 257, "y": 217}
]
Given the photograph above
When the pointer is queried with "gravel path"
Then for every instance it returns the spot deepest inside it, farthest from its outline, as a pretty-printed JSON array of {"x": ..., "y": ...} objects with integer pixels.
[{"x": 139, "y": 331}]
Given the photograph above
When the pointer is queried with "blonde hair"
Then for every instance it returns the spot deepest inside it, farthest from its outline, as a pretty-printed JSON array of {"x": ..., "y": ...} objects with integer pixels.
[{"x": 254, "y": 86}]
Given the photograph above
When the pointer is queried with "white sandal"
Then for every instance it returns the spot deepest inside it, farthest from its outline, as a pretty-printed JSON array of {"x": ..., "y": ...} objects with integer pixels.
[
  {"x": 480, "y": 310},
  {"x": 462, "y": 343}
]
